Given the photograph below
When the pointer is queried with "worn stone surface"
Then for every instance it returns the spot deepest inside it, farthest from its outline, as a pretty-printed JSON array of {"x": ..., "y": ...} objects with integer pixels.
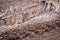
[{"x": 29, "y": 20}]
